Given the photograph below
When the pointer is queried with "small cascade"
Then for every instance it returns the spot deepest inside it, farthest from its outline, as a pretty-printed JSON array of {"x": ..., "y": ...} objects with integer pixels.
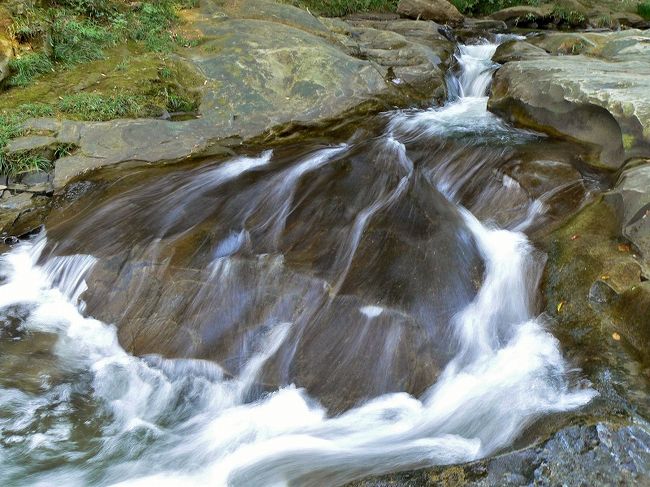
[{"x": 96, "y": 414}]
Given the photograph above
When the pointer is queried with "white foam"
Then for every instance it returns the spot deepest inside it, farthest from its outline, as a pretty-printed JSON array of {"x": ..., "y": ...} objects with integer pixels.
[{"x": 371, "y": 311}]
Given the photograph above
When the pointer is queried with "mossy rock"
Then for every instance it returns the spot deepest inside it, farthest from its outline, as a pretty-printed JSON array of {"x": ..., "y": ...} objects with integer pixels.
[{"x": 127, "y": 71}]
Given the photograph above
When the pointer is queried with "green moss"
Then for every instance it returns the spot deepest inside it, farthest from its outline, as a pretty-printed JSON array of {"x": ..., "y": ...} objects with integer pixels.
[{"x": 628, "y": 141}]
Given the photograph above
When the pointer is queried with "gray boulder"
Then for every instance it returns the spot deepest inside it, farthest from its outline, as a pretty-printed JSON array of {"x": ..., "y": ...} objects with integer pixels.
[{"x": 602, "y": 101}]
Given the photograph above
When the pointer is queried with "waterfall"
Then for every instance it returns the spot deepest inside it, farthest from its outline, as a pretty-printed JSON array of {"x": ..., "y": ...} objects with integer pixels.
[{"x": 167, "y": 422}]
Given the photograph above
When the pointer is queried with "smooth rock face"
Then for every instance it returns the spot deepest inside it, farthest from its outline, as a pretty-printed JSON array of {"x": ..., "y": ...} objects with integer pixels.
[
  {"x": 436, "y": 10},
  {"x": 562, "y": 96},
  {"x": 265, "y": 67}
]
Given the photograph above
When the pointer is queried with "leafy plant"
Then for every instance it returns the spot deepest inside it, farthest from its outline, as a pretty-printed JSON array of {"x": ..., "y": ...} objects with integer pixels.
[
  {"x": 95, "y": 9},
  {"x": 31, "y": 24},
  {"x": 28, "y": 110}
]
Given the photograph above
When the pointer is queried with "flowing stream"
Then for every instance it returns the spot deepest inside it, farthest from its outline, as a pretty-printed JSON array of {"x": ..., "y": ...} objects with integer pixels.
[{"x": 304, "y": 318}]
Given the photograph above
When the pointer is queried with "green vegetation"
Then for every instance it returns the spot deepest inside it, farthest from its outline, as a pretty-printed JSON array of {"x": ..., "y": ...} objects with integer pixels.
[
  {"x": 23, "y": 162},
  {"x": 77, "y": 41},
  {"x": 62, "y": 33},
  {"x": 339, "y": 8},
  {"x": 644, "y": 9},
  {"x": 486, "y": 7},
  {"x": 568, "y": 16},
  {"x": 118, "y": 59},
  {"x": 28, "y": 67},
  {"x": 95, "y": 106}
]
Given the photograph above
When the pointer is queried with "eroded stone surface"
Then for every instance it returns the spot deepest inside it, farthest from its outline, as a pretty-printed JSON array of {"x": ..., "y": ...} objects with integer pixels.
[{"x": 561, "y": 95}]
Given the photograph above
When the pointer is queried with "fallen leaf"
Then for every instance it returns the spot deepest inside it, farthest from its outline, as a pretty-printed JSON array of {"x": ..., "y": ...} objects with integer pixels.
[
  {"x": 604, "y": 277},
  {"x": 616, "y": 336},
  {"x": 560, "y": 305},
  {"x": 624, "y": 247},
  {"x": 575, "y": 237}
]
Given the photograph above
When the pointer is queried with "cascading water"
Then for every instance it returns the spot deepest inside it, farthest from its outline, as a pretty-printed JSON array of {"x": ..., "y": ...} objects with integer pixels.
[{"x": 86, "y": 412}]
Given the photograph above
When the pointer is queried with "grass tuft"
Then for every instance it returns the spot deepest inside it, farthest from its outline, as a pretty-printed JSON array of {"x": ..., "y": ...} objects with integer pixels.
[
  {"x": 77, "y": 41},
  {"x": 28, "y": 67},
  {"x": 23, "y": 163},
  {"x": 94, "y": 106},
  {"x": 644, "y": 9}
]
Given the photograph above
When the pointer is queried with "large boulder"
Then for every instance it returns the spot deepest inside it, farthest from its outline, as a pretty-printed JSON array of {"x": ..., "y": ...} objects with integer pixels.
[
  {"x": 516, "y": 50},
  {"x": 595, "y": 281},
  {"x": 264, "y": 69},
  {"x": 601, "y": 101},
  {"x": 522, "y": 14},
  {"x": 436, "y": 10},
  {"x": 359, "y": 268}
]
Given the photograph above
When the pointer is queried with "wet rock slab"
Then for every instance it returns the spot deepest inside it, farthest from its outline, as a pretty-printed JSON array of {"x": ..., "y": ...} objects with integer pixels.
[
  {"x": 597, "y": 454},
  {"x": 365, "y": 269}
]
